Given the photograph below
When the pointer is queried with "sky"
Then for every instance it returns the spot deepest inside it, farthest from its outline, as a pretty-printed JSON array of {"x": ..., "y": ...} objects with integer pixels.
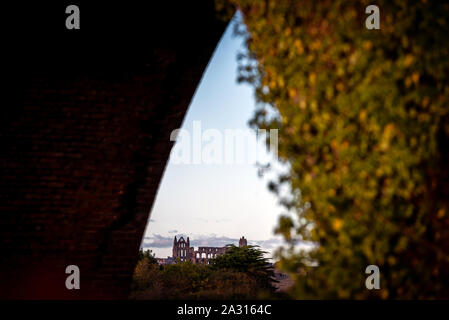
[{"x": 215, "y": 204}]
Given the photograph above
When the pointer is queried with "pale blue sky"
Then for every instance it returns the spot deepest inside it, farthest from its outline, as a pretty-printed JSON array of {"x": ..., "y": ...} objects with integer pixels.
[{"x": 215, "y": 204}]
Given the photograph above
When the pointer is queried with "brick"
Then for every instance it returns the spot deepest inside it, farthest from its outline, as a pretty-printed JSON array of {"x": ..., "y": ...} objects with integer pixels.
[{"x": 84, "y": 144}]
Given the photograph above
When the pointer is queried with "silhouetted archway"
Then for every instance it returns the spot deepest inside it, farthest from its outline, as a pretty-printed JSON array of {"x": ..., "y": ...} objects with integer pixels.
[{"x": 85, "y": 137}]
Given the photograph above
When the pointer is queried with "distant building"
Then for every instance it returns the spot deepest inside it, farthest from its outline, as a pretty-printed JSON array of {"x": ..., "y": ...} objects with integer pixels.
[
  {"x": 165, "y": 261},
  {"x": 243, "y": 242},
  {"x": 182, "y": 251}
]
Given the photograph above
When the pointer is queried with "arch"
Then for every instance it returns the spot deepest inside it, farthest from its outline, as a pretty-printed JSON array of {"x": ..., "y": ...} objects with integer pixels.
[{"x": 87, "y": 140}]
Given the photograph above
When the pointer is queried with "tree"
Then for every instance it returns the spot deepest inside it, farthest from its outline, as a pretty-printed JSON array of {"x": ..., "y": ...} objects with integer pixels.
[
  {"x": 148, "y": 255},
  {"x": 249, "y": 260},
  {"x": 363, "y": 128},
  {"x": 186, "y": 280},
  {"x": 145, "y": 277}
]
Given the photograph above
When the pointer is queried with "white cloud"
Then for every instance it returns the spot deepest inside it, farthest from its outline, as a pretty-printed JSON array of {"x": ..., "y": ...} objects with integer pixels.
[{"x": 211, "y": 240}]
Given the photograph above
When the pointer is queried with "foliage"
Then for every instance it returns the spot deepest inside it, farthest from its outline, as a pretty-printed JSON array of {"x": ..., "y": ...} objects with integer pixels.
[
  {"x": 144, "y": 274},
  {"x": 147, "y": 254},
  {"x": 363, "y": 126},
  {"x": 249, "y": 260},
  {"x": 193, "y": 281}
]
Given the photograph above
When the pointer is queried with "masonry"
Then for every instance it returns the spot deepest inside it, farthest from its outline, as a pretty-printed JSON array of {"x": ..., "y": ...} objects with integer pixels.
[
  {"x": 85, "y": 136},
  {"x": 182, "y": 251}
]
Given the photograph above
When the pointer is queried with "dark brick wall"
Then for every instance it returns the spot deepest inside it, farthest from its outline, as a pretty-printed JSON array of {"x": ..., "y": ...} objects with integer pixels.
[{"x": 85, "y": 126}]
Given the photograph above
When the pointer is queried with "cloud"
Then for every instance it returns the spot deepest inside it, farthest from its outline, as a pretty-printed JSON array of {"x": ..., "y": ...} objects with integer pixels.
[
  {"x": 172, "y": 231},
  {"x": 211, "y": 240},
  {"x": 268, "y": 244},
  {"x": 157, "y": 241},
  {"x": 215, "y": 220}
]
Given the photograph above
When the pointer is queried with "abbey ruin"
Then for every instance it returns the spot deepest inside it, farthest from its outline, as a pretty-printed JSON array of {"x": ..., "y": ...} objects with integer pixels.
[{"x": 182, "y": 251}]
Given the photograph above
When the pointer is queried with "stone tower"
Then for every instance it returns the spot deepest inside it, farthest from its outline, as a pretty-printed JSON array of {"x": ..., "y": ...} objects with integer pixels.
[
  {"x": 182, "y": 249},
  {"x": 243, "y": 242},
  {"x": 175, "y": 245}
]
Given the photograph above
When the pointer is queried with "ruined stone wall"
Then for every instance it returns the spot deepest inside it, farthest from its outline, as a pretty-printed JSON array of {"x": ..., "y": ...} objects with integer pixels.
[
  {"x": 183, "y": 252},
  {"x": 84, "y": 134}
]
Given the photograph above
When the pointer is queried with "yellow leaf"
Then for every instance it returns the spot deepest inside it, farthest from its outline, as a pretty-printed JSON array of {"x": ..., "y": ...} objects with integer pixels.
[
  {"x": 386, "y": 136},
  {"x": 425, "y": 102},
  {"x": 408, "y": 60},
  {"x": 362, "y": 115},
  {"x": 415, "y": 77},
  {"x": 391, "y": 260},
  {"x": 367, "y": 45},
  {"x": 312, "y": 78},
  {"x": 340, "y": 86},
  {"x": 299, "y": 47},
  {"x": 291, "y": 92},
  {"x": 337, "y": 224}
]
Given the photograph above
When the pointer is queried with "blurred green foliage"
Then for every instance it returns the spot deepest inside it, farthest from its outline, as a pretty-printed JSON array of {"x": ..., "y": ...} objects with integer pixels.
[{"x": 363, "y": 127}]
